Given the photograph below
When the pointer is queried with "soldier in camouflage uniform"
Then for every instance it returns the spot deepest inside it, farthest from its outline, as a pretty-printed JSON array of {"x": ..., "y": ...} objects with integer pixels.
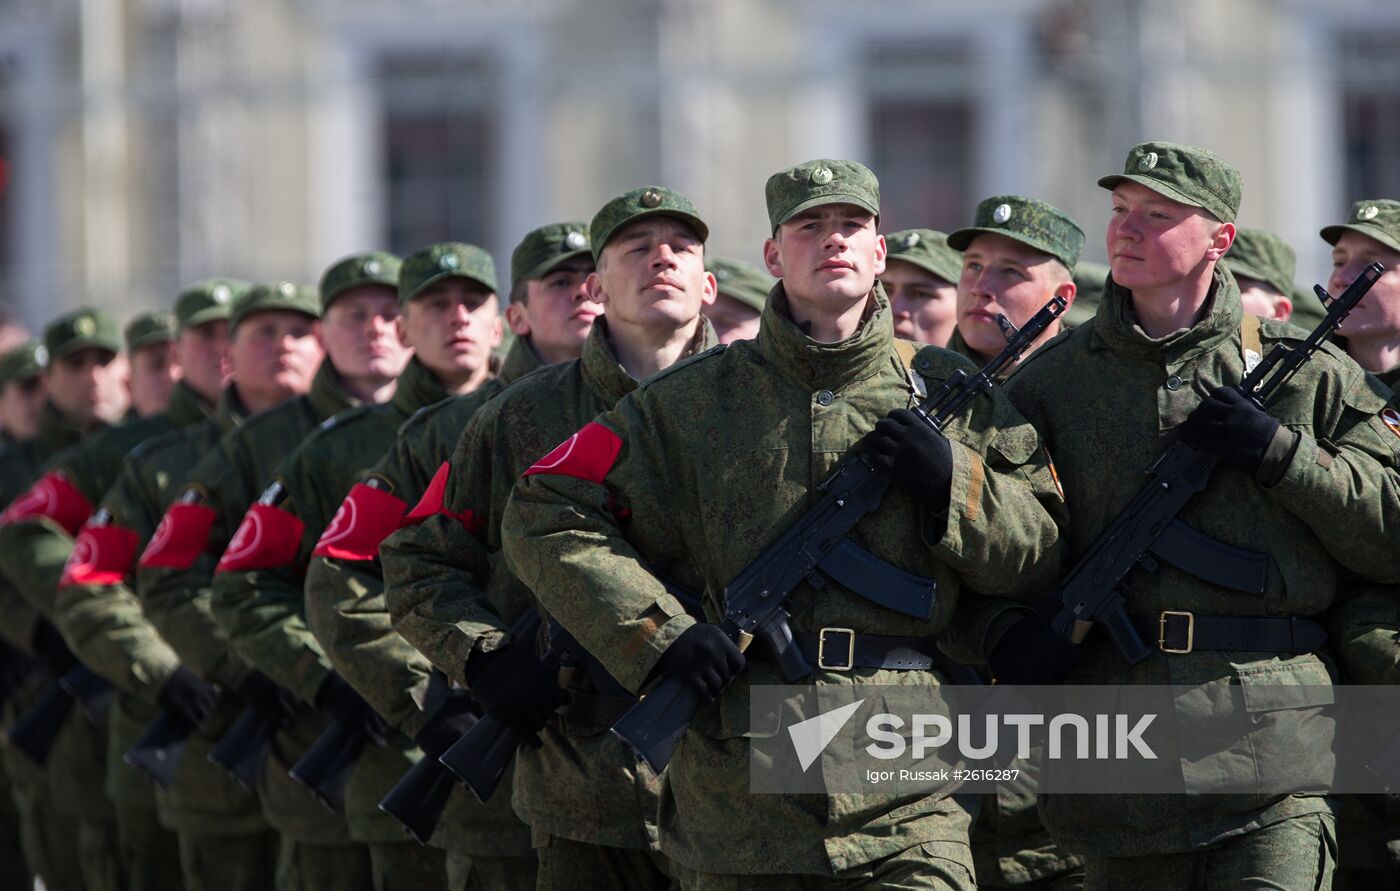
[
  {"x": 450, "y": 317},
  {"x": 550, "y": 313},
  {"x": 84, "y": 380},
  {"x": 1089, "y": 281},
  {"x": 739, "y": 302},
  {"x": 696, "y": 469},
  {"x": 921, "y": 280},
  {"x": 155, "y": 366},
  {"x": 1313, "y": 482},
  {"x": 1372, "y": 331},
  {"x": 215, "y": 821},
  {"x": 1016, "y": 256},
  {"x": 590, "y": 806},
  {"x": 176, "y": 570},
  {"x": 21, "y": 393},
  {"x": 1263, "y": 265}
]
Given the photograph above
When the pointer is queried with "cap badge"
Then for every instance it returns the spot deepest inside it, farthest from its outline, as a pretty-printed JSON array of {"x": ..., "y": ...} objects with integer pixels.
[
  {"x": 219, "y": 294},
  {"x": 575, "y": 241},
  {"x": 447, "y": 261},
  {"x": 651, "y": 198},
  {"x": 371, "y": 267},
  {"x": 41, "y": 355},
  {"x": 287, "y": 289},
  {"x": 821, "y": 175},
  {"x": 1001, "y": 214},
  {"x": 721, "y": 274},
  {"x": 910, "y": 240},
  {"x": 1368, "y": 212},
  {"x": 84, "y": 326},
  {"x": 1147, "y": 161}
]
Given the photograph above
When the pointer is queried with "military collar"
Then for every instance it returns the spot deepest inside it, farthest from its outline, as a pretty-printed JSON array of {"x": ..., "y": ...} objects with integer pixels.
[
  {"x": 57, "y": 431},
  {"x": 1116, "y": 326},
  {"x": 230, "y": 411},
  {"x": 1391, "y": 378},
  {"x": 417, "y": 387},
  {"x": 186, "y": 406},
  {"x": 328, "y": 395},
  {"x": 829, "y": 365},
  {"x": 520, "y": 360},
  {"x": 604, "y": 374}
]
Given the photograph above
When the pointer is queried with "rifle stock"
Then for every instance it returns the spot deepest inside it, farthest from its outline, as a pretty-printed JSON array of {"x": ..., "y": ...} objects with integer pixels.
[
  {"x": 33, "y": 733},
  {"x": 418, "y": 799},
  {"x": 244, "y": 749},
  {"x": 159, "y": 748},
  {"x": 325, "y": 767}
]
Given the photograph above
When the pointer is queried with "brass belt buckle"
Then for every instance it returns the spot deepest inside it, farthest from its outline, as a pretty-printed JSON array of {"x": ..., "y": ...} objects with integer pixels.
[
  {"x": 1162, "y": 631},
  {"x": 850, "y": 649}
]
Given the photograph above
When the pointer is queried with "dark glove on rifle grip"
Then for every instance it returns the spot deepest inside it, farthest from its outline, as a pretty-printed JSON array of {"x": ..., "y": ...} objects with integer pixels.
[
  {"x": 703, "y": 659},
  {"x": 1231, "y": 427},
  {"x": 915, "y": 456},
  {"x": 187, "y": 696},
  {"x": 1030, "y": 652},
  {"x": 512, "y": 686},
  {"x": 455, "y": 718}
]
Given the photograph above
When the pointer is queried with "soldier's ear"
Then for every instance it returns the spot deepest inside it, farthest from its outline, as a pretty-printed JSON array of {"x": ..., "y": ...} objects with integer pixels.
[
  {"x": 517, "y": 317},
  {"x": 594, "y": 287},
  {"x": 1220, "y": 241},
  {"x": 881, "y": 252},
  {"x": 773, "y": 256},
  {"x": 401, "y": 329},
  {"x": 1066, "y": 290}
]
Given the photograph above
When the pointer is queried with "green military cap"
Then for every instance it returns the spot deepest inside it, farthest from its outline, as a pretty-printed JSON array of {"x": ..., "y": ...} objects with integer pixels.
[
  {"x": 1264, "y": 256},
  {"x": 814, "y": 183},
  {"x": 546, "y": 247},
  {"x": 23, "y": 362},
  {"x": 741, "y": 281},
  {"x": 270, "y": 296},
  {"x": 447, "y": 259},
  {"x": 927, "y": 249},
  {"x": 85, "y": 327},
  {"x": 1308, "y": 310},
  {"x": 209, "y": 300},
  {"x": 1090, "y": 279},
  {"x": 1378, "y": 218},
  {"x": 648, "y": 201},
  {"x": 1183, "y": 173},
  {"x": 357, "y": 270},
  {"x": 1027, "y": 220},
  {"x": 148, "y": 329}
]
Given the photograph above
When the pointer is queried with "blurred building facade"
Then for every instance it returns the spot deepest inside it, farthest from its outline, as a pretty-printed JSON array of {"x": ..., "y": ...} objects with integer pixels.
[{"x": 146, "y": 143}]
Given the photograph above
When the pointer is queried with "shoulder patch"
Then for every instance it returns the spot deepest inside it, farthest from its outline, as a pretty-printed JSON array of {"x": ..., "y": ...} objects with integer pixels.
[
  {"x": 716, "y": 350},
  {"x": 102, "y": 555},
  {"x": 267, "y": 537},
  {"x": 587, "y": 455},
  {"x": 182, "y": 535},
  {"x": 53, "y": 497},
  {"x": 366, "y": 517}
]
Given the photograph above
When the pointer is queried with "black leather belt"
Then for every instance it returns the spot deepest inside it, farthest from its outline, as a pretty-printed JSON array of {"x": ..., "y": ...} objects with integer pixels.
[
  {"x": 1179, "y": 631},
  {"x": 841, "y": 649}
]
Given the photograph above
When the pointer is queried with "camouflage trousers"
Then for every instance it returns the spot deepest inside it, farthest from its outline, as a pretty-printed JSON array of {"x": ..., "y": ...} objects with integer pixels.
[
  {"x": 1295, "y": 854},
  {"x": 14, "y": 868},
  {"x": 46, "y": 835},
  {"x": 932, "y": 866},
  {"x": 149, "y": 853},
  {"x": 477, "y": 873},
  {"x": 406, "y": 866},
  {"x": 228, "y": 862},
  {"x": 306, "y": 867},
  {"x": 566, "y": 864}
]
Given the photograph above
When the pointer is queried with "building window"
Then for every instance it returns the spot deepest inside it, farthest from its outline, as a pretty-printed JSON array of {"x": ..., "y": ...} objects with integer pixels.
[
  {"x": 1371, "y": 112},
  {"x": 920, "y": 132},
  {"x": 438, "y": 149}
]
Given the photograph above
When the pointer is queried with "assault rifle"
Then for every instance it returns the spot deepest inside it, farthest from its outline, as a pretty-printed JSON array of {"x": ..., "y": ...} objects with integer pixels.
[
  {"x": 35, "y": 731},
  {"x": 816, "y": 548},
  {"x": 1148, "y": 529}
]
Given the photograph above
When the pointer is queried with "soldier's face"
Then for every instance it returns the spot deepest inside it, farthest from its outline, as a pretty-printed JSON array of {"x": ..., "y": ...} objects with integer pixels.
[
  {"x": 274, "y": 355},
  {"x": 453, "y": 326},
  {"x": 154, "y": 371},
  {"x": 1002, "y": 276},
  {"x": 652, "y": 274},
  {"x": 360, "y": 335},
  {"x": 20, "y": 402},
  {"x": 1262, "y": 300},
  {"x": 830, "y": 254},
  {"x": 1378, "y": 313},
  {"x": 924, "y": 305},
  {"x": 732, "y": 320},
  {"x": 89, "y": 385},
  {"x": 1155, "y": 242},
  {"x": 201, "y": 351},
  {"x": 558, "y": 311}
]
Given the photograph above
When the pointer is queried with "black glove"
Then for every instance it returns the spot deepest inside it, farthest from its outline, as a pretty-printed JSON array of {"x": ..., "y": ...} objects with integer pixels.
[
  {"x": 340, "y": 700},
  {"x": 258, "y": 692},
  {"x": 455, "y": 718},
  {"x": 914, "y": 455},
  {"x": 187, "y": 696},
  {"x": 703, "y": 659},
  {"x": 1031, "y": 652},
  {"x": 52, "y": 651},
  {"x": 1231, "y": 427},
  {"x": 511, "y": 685}
]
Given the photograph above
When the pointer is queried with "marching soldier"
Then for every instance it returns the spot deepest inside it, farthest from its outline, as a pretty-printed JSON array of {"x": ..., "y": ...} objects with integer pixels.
[
  {"x": 1313, "y": 482},
  {"x": 921, "y": 280},
  {"x": 1263, "y": 265},
  {"x": 1372, "y": 331},
  {"x": 21, "y": 396},
  {"x": 696, "y": 469}
]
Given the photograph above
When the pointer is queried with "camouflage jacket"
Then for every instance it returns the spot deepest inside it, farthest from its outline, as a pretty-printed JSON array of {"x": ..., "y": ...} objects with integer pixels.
[
  {"x": 693, "y": 473},
  {"x": 449, "y": 596},
  {"x": 177, "y": 568},
  {"x": 345, "y": 603},
  {"x": 1107, "y": 399},
  {"x": 259, "y": 598}
]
